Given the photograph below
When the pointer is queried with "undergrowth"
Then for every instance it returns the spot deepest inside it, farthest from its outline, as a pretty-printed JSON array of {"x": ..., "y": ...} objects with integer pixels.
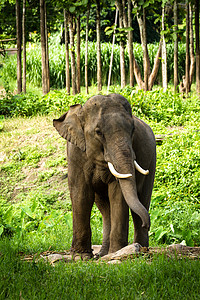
[
  {"x": 33, "y": 190},
  {"x": 158, "y": 278}
]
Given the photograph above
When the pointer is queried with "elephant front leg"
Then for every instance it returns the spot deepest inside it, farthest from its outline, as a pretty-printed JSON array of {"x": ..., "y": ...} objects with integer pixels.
[
  {"x": 82, "y": 202},
  {"x": 119, "y": 218},
  {"x": 103, "y": 205}
]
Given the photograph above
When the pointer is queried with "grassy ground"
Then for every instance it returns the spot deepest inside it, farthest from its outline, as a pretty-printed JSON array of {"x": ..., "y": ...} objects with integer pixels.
[
  {"x": 158, "y": 278},
  {"x": 35, "y": 215}
]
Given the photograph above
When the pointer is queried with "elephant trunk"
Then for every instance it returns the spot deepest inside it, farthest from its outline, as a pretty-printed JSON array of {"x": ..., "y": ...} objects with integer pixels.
[
  {"x": 129, "y": 191},
  {"x": 124, "y": 161}
]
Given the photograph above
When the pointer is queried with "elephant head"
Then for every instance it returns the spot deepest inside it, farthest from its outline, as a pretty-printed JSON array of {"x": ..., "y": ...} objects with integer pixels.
[{"x": 103, "y": 128}]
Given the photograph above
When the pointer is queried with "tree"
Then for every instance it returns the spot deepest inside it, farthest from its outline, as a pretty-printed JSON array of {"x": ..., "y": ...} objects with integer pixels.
[
  {"x": 185, "y": 85},
  {"x": 98, "y": 30},
  {"x": 149, "y": 76},
  {"x": 24, "y": 45},
  {"x": 78, "y": 55},
  {"x": 86, "y": 47},
  {"x": 164, "y": 54},
  {"x": 66, "y": 53},
  {"x": 175, "y": 46},
  {"x": 45, "y": 87},
  {"x": 120, "y": 7},
  {"x": 19, "y": 48},
  {"x": 47, "y": 48},
  {"x": 197, "y": 47},
  {"x": 72, "y": 52},
  {"x": 192, "y": 57},
  {"x": 130, "y": 44}
]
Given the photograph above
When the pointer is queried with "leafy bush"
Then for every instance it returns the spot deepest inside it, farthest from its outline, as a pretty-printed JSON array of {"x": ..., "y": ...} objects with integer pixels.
[
  {"x": 166, "y": 107},
  {"x": 175, "y": 206},
  {"x": 31, "y": 105}
]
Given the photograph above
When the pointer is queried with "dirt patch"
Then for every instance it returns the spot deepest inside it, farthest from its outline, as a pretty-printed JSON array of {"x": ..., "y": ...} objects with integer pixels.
[{"x": 129, "y": 252}]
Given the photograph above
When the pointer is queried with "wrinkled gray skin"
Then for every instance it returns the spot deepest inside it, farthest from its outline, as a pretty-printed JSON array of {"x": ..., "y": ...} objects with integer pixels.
[{"x": 101, "y": 131}]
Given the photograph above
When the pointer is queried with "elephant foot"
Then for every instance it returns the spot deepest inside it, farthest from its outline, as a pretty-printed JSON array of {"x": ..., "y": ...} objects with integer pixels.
[
  {"x": 81, "y": 256},
  {"x": 101, "y": 253}
]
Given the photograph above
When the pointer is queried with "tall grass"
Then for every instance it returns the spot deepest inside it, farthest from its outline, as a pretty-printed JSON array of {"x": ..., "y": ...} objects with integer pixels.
[{"x": 57, "y": 63}]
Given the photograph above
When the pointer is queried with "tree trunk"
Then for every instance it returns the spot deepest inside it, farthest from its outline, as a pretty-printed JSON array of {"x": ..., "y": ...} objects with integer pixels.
[
  {"x": 164, "y": 54},
  {"x": 86, "y": 48},
  {"x": 43, "y": 47},
  {"x": 138, "y": 75},
  {"x": 122, "y": 59},
  {"x": 187, "y": 61},
  {"x": 145, "y": 53},
  {"x": 175, "y": 46},
  {"x": 24, "y": 45},
  {"x": 154, "y": 72},
  {"x": 98, "y": 29},
  {"x": 197, "y": 47},
  {"x": 112, "y": 52},
  {"x": 149, "y": 77},
  {"x": 66, "y": 53},
  {"x": 73, "y": 63},
  {"x": 78, "y": 56},
  {"x": 130, "y": 44},
  {"x": 47, "y": 49},
  {"x": 192, "y": 57},
  {"x": 19, "y": 54}
]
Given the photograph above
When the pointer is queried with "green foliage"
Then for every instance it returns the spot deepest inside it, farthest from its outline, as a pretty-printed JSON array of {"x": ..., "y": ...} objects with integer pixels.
[
  {"x": 31, "y": 105},
  {"x": 175, "y": 205},
  {"x": 57, "y": 63},
  {"x": 166, "y": 107},
  {"x": 41, "y": 208}
]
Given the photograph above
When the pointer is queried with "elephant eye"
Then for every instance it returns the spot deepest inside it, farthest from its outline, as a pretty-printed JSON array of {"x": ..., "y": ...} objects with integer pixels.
[{"x": 98, "y": 132}]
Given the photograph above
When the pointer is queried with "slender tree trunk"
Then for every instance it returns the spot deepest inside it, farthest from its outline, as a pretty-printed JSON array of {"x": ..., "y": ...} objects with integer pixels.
[
  {"x": 187, "y": 62},
  {"x": 197, "y": 47},
  {"x": 138, "y": 75},
  {"x": 86, "y": 48},
  {"x": 175, "y": 46},
  {"x": 130, "y": 44},
  {"x": 146, "y": 56},
  {"x": 156, "y": 65},
  {"x": 72, "y": 50},
  {"x": 99, "y": 72},
  {"x": 47, "y": 49},
  {"x": 164, "y": 54},
  {"x": 78, "y": 56},
  {"x": 192, "y": 57},
  {"x": 122, "y": 59},
  {"x": 24, "y": 45},
  {"x": 43, "y": 47},
  {"x": 112, "y": 52},
  {"x": 125, "y": 19},
  {"x": 19, "y": 50},
  {"x": 66, "y": 53}
]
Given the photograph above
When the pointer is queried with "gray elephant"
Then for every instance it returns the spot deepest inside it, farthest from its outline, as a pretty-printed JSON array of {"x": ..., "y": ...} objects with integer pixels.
[{"x": 108, "y": 151}]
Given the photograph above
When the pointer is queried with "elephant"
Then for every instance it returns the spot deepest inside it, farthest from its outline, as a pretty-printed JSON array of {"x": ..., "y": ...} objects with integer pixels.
[{"x": 111, "y": 162}]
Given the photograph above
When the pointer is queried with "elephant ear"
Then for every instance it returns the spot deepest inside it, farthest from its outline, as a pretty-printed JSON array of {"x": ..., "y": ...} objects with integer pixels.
[{"x": 69, "y": 126}]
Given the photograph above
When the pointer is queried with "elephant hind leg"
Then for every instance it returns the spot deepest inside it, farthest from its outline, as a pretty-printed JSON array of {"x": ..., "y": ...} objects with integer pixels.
[
  {"x": 104, "y": 207},
  {"x": 141, "y": 235}
]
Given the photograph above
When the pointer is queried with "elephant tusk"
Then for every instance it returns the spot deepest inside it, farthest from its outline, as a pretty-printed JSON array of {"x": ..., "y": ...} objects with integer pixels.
[
  {"x": 116, "y": 174},
  {"x": 140, "y": 169}
]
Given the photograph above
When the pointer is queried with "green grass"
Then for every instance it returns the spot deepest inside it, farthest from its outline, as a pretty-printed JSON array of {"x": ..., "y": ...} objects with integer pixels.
[{"x": 159, "y": 278}]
